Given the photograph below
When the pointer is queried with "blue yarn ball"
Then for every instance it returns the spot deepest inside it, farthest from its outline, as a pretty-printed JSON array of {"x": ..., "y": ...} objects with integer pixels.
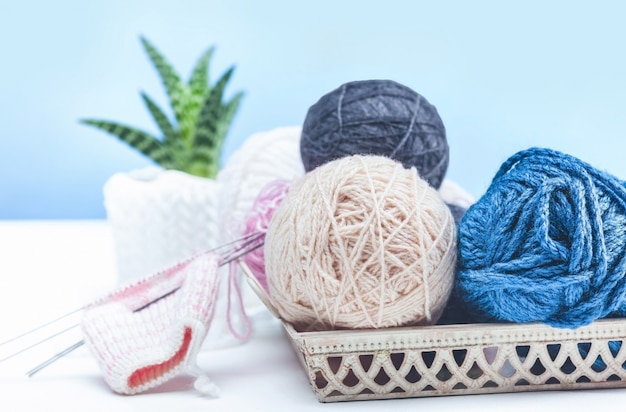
[
  {"x": 545, "y": 243},
  {"x": 376, "y": 117}
]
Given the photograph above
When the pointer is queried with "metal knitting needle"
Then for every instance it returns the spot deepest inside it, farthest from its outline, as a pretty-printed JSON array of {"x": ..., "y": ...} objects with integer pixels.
[
  {"x": 56, "y": 357},
  {"x": 39, "y": 327},
  {"x": 251, "y": 241},
  {"x": 38, "y": 343}
]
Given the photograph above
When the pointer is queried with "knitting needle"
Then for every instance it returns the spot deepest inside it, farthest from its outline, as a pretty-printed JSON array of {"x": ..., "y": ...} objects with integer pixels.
[
  {"x": 56, "y": 357},
  {"x": 38, "y": 343},
  {"x": 252, "y": 239},
  {"x": 39, "y": 327}
]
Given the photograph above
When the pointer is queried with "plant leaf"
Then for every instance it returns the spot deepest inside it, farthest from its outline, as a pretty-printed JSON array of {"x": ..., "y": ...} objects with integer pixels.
[
  {"x": 199, "y": 80},
  {"x": 169, "y": 133},
  {"x": 171, "y": 137},
  {"x": 143, "y": 142},
  {"x": 207, "y": 142},
  {"x": 228, "y": 112},
  {"x": 176, "y": 90},
  {"x": 196, "y": 91},
  {"x": 210, "y": 113}
]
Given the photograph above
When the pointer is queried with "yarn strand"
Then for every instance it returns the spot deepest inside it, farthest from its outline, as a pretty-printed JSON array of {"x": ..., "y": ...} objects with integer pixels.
[{"x": 233, "y": 285}]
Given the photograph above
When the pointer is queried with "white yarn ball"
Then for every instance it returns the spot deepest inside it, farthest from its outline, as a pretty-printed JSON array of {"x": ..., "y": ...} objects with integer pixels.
[
  {"x": 453, "y": 194},
  {"x": 262, "y": 158}
]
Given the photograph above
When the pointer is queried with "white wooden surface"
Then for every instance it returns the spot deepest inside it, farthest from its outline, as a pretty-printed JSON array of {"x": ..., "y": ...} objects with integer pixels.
[{"x": 48, "y": 268}]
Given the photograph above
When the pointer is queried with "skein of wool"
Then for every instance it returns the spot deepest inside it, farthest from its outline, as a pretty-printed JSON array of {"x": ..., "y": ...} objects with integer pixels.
[
  {"x": 545, "y": 243},
  {"x": 360, "y": 242},
  {"x": 376, "y": 117},
  {"x": 258, "y": 221},
  {"x": 263, "y": 157}
]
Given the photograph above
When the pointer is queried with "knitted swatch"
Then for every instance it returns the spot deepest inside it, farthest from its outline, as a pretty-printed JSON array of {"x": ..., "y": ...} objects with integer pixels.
[
  {"x": 545, "y": 243},
  {"x": 139, "y": 345}
]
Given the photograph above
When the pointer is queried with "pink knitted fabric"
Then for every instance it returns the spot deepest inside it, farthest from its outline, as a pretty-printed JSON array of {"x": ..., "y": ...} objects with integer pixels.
[{"x": 139, "y": 347}]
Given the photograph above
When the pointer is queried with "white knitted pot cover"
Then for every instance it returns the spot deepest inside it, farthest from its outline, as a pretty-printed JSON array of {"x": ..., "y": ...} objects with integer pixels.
[{"x": 159, "y": 217}]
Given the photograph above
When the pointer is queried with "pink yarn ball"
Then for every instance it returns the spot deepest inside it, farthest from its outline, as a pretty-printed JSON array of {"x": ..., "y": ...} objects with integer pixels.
[{"x": 268, "y": 199}]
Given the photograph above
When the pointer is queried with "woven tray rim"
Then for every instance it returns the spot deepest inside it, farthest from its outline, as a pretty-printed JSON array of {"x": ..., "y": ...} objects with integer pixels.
[{"x": 447, "y": 336}]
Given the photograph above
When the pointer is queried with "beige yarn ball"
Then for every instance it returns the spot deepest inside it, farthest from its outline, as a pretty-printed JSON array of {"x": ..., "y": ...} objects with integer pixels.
[{"x": 360, "y": 242}]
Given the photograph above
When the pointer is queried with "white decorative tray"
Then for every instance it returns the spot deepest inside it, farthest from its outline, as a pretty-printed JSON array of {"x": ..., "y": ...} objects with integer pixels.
[{"x": 350, "y": 365}]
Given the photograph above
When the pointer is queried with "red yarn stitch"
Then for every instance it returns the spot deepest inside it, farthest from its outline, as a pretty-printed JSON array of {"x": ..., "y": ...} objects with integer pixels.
[{"x": 151, "y": 372}]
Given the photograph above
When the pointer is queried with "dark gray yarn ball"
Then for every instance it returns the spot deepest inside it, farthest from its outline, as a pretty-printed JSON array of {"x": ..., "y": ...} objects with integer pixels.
[{"x": 378, "y": 117}]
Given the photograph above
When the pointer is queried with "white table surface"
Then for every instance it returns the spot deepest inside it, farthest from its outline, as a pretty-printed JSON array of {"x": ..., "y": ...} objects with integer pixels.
[{"x": 51, "y": 267}]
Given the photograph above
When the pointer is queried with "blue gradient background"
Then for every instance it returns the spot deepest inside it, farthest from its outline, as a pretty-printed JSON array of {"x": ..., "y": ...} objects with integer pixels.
[{"x": 504, "y": 76}]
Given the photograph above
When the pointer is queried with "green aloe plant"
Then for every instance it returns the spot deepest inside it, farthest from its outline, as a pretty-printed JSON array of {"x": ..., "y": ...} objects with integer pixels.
[{"x": 192, "y": 140}]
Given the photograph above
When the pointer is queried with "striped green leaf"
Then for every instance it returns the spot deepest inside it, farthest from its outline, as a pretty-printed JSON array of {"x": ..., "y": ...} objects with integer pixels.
[
  {"x": 228, "y": 112},
  {"x": 143, "y": 142},
  {"x": 210, "y": 127},
  {"x": 171, "y": 140},
  {"x": 169, "y": 133},
  {"x": 207, "y": 125},
  {"x": 196, "y": 92},
  {"x": 199, "y": 80},
  {"x": 203, "y": 161},
  {"x": 176, "y": 90}
]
